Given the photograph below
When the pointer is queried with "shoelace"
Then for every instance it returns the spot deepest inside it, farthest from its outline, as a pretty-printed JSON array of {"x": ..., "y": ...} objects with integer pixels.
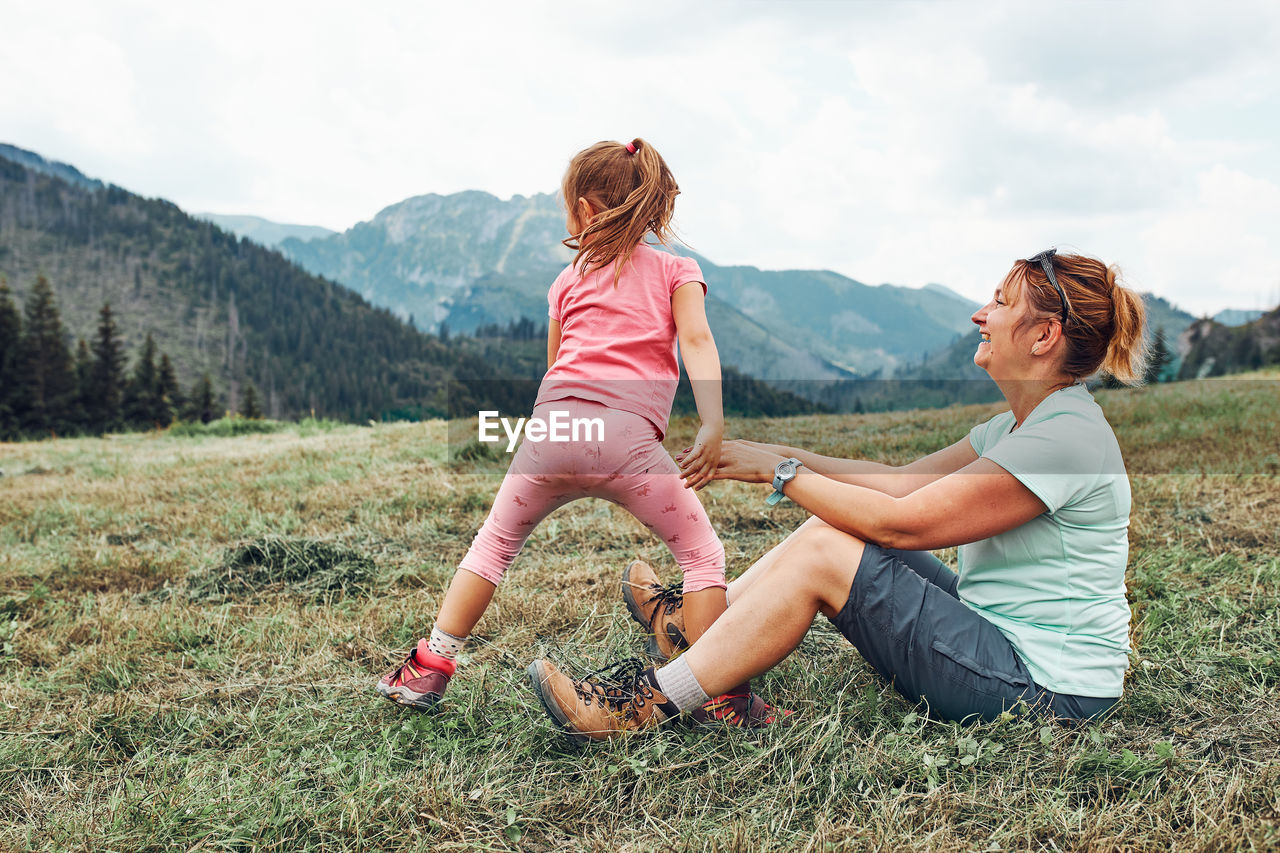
[
  {"x": 669, "y": 598},
  {"x": 618, "y": 686}
]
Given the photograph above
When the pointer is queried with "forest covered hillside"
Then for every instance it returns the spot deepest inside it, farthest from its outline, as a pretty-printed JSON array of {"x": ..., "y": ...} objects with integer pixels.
[{"x": 218, "y": 304}]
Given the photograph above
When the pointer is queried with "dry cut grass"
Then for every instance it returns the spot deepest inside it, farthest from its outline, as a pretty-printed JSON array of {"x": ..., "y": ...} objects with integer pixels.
[{"x": 147, "y": 705}]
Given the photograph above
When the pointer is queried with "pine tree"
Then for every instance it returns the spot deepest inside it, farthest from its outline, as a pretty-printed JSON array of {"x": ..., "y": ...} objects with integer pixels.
[
  {"x": 249, "y": 406},
  {"x": 200, "y": 406},
  {"x": 141, "y": 408},
  {"x": 170, "y": 393},
  {"x": 1158, "y": 358},
  {"x": 84, "y": 388},
  {"x": 46, "y": 382},
  {"x": 103, "y": 403},
  {"x": 10, "y": 359}
]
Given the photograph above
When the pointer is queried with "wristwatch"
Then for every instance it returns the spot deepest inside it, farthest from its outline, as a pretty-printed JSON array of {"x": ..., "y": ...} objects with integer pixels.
[{"x": 783, "y": 474}]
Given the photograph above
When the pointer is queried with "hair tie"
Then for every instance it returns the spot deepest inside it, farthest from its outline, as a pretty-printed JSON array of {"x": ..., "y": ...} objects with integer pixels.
[{"x": 631, "y": 148}]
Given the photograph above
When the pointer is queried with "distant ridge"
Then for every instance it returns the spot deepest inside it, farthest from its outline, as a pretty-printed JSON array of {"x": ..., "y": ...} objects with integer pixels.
[
  {"x": 35, "y": 162},
  {"x": 264, "y": 231},
  {"x": 1236, "y": 316}
]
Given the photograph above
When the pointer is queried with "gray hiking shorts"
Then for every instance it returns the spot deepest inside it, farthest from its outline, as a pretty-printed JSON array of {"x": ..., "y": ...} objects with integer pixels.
[{"x": 904, "y": 616}]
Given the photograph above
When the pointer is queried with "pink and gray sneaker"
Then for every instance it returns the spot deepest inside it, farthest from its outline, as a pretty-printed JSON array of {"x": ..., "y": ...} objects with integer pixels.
[
  {"x": 739, "y": 708},
  {"x": 420, "y": 681}
]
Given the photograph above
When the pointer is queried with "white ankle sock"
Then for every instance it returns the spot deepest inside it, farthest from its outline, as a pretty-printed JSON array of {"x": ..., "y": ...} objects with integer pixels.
[
  {"x": 682, "y": 689},
  {"x": 446, "y": 645}
]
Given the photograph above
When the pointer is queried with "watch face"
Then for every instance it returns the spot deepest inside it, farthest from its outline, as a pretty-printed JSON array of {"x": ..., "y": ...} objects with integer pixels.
[{"x": 786, "y": 470}]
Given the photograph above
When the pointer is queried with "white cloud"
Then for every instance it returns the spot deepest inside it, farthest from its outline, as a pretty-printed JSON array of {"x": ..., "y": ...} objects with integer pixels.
[
  {"x": 905, "y": 143},
  {"x": 74, "y": 87},
  {"x": 1211, "y": 251}
]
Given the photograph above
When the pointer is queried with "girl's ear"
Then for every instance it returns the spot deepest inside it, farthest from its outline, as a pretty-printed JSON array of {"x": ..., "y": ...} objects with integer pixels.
[{"x": 586, "y": 211}]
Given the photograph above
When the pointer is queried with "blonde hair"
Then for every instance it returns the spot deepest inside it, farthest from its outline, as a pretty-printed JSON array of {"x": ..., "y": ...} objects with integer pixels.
[
  {"x": 1105, "y": 320},
  {"x": 634, "y": 193}
]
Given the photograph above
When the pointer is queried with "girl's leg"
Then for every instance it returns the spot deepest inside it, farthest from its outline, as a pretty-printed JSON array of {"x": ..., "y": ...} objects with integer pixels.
[
  {"x": 465, "y": 602},
  {"x": 538, "y": 482},
  {"x": 701, "y": 608},
  {"x": 522, "y": 501},
  {"x": 658, "y": 498}
]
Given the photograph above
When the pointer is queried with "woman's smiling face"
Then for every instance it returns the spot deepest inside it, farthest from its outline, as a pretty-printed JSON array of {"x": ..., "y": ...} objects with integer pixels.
[{"x": 999, "y": 326}]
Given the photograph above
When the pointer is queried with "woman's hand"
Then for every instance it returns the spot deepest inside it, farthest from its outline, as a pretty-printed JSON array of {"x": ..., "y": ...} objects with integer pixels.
[
  {"x": 698, "y": 463},
  {"x": 747, "y": 462}
]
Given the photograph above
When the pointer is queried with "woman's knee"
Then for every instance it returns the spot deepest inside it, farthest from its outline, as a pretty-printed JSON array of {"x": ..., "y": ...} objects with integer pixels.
[
  {"x": 825, "y": 560},
  {"x": 800, "y": 534}
]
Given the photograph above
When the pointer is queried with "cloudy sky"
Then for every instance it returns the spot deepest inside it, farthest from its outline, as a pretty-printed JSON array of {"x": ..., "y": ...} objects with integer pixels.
[{"x": 905, "y": 143}]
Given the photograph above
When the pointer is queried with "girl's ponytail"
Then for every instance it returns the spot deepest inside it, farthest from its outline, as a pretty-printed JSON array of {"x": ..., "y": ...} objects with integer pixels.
[{"x": 634, "y": 194}]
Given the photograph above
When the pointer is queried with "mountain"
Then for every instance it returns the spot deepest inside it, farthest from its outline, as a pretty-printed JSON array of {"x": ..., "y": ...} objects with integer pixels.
[
  {"x": 420, "y": 257},
  {"x": 264, "y": 231},
  {"x": 857, "y": 327},
  {"x": 471, "y": 259},
  {"x": 1214, "y": 349},
  {"x": 220, "y": 304},
  {"x": 1236, "y": 316},
  {"x": 36, "y": 163}
]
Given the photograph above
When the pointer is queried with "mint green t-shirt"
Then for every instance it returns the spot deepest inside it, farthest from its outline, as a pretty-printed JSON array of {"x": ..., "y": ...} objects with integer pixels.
[{"x": 1055, "y": 585}]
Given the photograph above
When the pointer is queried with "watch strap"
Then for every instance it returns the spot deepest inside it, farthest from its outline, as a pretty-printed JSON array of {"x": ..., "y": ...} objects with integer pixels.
[{"x": 779, "y": 483}]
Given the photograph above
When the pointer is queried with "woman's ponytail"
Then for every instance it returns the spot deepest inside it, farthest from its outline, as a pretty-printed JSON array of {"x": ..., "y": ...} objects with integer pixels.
[{"x": 1126, "y": 357}]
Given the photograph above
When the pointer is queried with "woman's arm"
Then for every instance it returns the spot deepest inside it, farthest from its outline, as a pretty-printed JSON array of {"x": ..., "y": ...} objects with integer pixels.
[
  {"x": 978, "y": 501},
  {"x": 702, "y": 364},
  {"x": 895, "y": 481},
  {"x": 553, "y": 342}
]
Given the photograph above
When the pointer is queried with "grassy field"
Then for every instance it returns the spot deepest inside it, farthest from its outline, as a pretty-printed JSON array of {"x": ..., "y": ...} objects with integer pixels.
[{"x": 161, "y": 690}]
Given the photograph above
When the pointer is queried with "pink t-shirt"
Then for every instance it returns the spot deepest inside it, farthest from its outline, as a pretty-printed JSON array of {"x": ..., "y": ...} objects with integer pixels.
[{"x": 618, "y": 344}]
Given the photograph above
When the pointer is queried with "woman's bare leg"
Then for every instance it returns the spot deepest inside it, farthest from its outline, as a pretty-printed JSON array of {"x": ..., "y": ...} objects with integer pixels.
[{"x": 811, "y": 575}]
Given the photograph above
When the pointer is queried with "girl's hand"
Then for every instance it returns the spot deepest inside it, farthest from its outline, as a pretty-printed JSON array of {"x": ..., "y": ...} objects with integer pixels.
[
  {"x": 698, "y": 463},
  {"x": 747, "y": 462}
]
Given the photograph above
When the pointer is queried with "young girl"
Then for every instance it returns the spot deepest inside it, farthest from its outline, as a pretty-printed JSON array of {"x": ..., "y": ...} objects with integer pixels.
[{"x": 616, "y": 314}]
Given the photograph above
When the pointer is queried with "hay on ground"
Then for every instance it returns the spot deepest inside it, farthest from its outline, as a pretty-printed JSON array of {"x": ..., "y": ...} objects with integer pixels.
[{"x": 273, "y": 564}]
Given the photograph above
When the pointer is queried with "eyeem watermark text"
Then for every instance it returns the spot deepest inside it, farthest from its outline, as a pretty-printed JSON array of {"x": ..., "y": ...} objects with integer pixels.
[{"x": 559, "y": 427}]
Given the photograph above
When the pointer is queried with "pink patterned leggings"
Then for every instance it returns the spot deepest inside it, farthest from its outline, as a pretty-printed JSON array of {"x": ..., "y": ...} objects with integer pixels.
[{"x": 629, "y": 467}]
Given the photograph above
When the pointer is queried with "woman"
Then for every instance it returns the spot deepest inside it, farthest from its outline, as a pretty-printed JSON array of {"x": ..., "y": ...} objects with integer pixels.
[{"x": 1037, "y": 499}]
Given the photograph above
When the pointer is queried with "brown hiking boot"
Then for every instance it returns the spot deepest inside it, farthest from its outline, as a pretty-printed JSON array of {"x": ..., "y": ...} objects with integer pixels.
[
  {"x": 613, "y": 701},
  {"x": 657, "y": 608}
]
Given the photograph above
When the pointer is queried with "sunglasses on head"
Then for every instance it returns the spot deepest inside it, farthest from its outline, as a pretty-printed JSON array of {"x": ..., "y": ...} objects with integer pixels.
[{"x": 1045, "y": 259}]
